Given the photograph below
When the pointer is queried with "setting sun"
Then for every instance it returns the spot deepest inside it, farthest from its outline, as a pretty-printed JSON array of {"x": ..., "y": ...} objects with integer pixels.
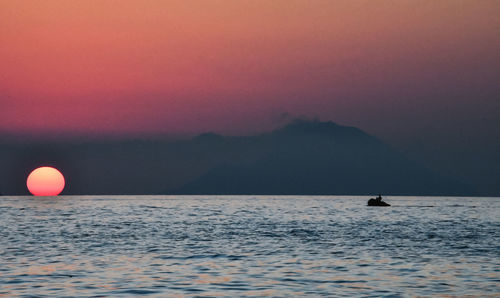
[{"x": 45, "y": 181}]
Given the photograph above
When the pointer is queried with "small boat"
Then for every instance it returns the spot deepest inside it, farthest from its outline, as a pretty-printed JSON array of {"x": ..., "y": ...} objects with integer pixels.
[{"x": 377, "y": 202}]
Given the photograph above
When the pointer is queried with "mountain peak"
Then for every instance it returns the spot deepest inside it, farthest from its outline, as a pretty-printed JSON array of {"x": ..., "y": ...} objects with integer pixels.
[{"x": 300, "y": 127}]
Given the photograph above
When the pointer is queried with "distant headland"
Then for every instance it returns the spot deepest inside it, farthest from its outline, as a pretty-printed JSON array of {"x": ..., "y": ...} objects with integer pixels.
[{"x": 301, "y": 158}]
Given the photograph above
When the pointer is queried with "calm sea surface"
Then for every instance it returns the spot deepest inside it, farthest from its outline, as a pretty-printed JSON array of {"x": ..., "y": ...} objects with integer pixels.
[{"x": 248, "y": 246}]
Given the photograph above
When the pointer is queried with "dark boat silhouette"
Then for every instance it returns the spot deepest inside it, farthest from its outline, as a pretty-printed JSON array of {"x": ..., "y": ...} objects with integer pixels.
[{"x": 377, "y": 202}]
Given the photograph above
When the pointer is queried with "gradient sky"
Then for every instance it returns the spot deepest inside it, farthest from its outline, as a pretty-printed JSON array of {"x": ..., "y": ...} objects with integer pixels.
[{"x": 399, "y": 69}]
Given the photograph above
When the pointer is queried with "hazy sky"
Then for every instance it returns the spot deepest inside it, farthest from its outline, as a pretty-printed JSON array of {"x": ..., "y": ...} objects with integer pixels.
[{"x": 394, "y": 68}]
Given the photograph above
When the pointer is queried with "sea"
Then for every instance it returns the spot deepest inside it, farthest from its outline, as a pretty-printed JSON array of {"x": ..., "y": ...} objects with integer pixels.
[{"x": 237, "y": 246}]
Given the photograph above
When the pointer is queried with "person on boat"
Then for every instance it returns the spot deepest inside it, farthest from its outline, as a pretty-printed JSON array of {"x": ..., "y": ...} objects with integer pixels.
[{"x": 377, "y": 201}]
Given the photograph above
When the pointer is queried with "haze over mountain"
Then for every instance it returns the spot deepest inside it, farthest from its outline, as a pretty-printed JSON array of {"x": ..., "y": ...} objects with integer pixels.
[
  {"x": 304, "y": 157},
  {"x": 320, "y": 158}
]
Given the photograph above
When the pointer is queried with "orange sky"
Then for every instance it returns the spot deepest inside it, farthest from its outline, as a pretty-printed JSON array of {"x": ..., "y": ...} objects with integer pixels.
[{"x": 155, "y": 66}]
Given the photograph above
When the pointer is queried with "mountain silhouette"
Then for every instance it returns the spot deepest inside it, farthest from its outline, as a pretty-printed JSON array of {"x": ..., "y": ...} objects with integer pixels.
[
  {"x": 320, "y": 158},
  {"x": 304, "y": 157}
]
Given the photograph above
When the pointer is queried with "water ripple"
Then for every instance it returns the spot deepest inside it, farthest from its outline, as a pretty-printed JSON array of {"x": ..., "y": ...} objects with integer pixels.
[{"x": 248, "y": 246}]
